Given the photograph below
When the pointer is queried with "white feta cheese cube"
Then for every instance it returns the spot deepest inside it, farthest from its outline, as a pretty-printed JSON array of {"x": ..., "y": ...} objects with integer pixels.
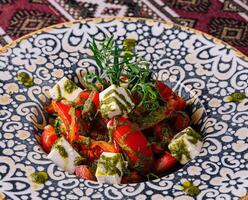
[
  {"x": 64, "y": 156},
  {"x": 186, "y": 145},
  {"x": 110, "y": 168},
  {"x": 115, "y": 101},
  {"x": 65, "y": 89}
]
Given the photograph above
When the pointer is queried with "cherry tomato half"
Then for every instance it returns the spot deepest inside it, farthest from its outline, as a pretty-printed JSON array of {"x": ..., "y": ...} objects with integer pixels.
[{"x": 48, "y": 138}]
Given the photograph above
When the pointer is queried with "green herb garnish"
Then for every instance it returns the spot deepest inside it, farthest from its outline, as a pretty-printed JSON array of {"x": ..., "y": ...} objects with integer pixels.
[{"x": 118, "y": 63}]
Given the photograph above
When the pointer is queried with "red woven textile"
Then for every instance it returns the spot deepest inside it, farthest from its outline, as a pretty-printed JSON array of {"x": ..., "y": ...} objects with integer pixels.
[{"x": 224, "y": 19}]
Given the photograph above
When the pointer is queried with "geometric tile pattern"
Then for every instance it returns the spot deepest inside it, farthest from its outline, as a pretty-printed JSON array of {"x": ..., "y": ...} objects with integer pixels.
[{"x": 26, "y": 21}]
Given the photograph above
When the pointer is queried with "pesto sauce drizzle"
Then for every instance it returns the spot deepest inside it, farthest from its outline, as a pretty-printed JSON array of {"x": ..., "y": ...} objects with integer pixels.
[
  {"x": 166, "y": 136},
  {"x": 122, "y": 97},
  {"x": 190, "y": 189},
  {"x": 62, "y": 151},
  {"x": 108, "y": 107},
  {"x": 59, "y": 93},
  {"x": 39, "y": 177},
  {"x": 179, "y": 149},
  {"x": 88, "y": 109},
  {"x": 69, "y": 86},
  {"x": 236, "y": 97},
  {"x": 110, "y": 136},
  {"x": 151, "y": 119},
  {"x": 25, "y": 79},
  {"x": 111, "y": 129},
  {"x": 128, "y": 46},
  {"x": 78, "y": 160},
  {"x": 110, "y": 164},
  {"x": 87, "y": 142},
  {"x": 195, "y": 137},
  {"x": 57, "y": 124},
  {"x": 73, "y": 120}
]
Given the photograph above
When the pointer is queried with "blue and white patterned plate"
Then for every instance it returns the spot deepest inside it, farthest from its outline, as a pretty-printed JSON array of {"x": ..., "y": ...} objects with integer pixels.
[{"x": 199, "y": 67}]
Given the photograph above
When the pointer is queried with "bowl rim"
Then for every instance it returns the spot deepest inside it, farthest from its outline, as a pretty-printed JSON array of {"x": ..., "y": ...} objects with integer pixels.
[{"x": 131, "y": 19}]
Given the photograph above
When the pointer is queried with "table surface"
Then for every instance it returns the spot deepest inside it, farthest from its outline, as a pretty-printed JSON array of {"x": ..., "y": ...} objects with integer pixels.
[{"x": 224, "y": 19}]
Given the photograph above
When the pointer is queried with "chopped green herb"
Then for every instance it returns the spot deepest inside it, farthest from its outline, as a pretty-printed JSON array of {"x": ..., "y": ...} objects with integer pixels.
[
  {"x": 25, "y": 79},
  {"x": 39, "y": 177}
]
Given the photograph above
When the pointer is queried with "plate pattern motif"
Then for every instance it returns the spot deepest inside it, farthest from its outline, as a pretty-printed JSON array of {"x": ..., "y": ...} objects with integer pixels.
[{"x": 191, "y": 63}]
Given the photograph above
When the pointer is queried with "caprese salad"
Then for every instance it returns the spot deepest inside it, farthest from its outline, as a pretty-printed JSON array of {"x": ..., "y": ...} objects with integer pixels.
[{"x": 120, "y": 126}]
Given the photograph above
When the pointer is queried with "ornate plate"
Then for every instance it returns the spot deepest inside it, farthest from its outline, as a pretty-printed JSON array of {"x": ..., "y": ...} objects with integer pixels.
[{"x": 199, "y": 67}]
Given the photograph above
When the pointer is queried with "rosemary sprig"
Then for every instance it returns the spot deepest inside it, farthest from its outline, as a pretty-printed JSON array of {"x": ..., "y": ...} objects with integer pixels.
[
  {"x": 119, "y": 62},
  {"x": 90, "y": 79}
]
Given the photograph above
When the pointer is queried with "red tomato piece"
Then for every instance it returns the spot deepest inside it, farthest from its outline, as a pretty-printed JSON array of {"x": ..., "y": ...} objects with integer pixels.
[
  {"x": 91, "y": 105},
  {"x": 95, "y": 98},
  {"x": 133, "y": 143},
  {"x": 48, "y": 138},
  {"x": 163, "y": 133},
  {"x": 63, "y": 110},
  {"x": 92, "y": 149},
  {"x": 157, "y": 148},
  {"x": 84, "y": 171},
  {"x": 181, "y": 121},
  {"x": 164, "y": 163},
  {"x": 165, "y": 92},
  {"x": 83, "y": 96},
  {"x": 178, "y": 103},
  {"x": 50, "y": 107},
  {"x": 72, "y": 121}
]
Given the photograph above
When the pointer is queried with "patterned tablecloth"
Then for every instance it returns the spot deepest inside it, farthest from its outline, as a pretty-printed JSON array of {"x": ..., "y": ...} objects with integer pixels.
[{"x": 224, "y": 19}]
